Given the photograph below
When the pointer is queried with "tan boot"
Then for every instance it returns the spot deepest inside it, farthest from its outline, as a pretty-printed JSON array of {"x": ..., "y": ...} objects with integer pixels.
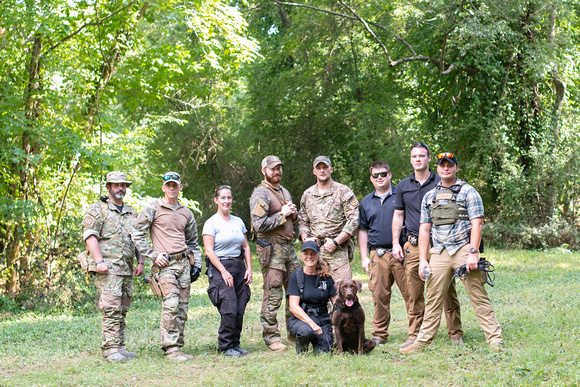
[
  {"x": 277, "y": 346},
  {"x": 407, "y": 342},
  {"x": 179, "y": 357},
  {"x": 413, "y": 348}
]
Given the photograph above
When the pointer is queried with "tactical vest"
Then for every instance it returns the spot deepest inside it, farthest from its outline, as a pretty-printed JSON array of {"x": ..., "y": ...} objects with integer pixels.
[{"x": 445, "y": 209}]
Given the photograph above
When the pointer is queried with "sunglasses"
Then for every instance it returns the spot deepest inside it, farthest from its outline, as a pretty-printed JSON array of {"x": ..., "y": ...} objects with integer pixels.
[
  {"x": 381, "y": 174},
  {"x": 171, "y": 177},
  {"x": 443, "y": 155},
  {"x": 223, "y": 187}
]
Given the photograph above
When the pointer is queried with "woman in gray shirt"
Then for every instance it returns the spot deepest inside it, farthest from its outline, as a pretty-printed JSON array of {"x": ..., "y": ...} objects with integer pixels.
[{"x": 230, "y": 271}]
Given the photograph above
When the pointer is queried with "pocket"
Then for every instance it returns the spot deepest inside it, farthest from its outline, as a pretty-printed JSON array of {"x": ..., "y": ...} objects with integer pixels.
[
  {"x": 214, "y": 295},
  {"x": 264, "y": 254}
]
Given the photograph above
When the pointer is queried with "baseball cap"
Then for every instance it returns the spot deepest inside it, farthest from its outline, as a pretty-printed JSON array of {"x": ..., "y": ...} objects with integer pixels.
[
  {"x": 271, "y": 161},
  {"x": 118, "y": 177},
  {"x": 310, "y": 245},
  {"x": 446, "y": 156},
  {"x": 171, "y": 176},
  {"x": 322, "y": 159}
]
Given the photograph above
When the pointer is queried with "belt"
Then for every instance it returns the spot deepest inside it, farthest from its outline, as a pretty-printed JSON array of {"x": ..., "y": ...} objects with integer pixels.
[
  {"x": 381, "y": 250},
  {"x": 276, "y": 240},
  {"x": 183, "y": 254},
  {"x": 228, "y": 258}
]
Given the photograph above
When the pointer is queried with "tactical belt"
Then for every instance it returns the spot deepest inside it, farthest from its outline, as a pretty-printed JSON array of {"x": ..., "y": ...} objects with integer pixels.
[
  {"x": 275, "y": 240},
  {"x": 316, "y": 311},
  {"x": 183, "y": 254}
]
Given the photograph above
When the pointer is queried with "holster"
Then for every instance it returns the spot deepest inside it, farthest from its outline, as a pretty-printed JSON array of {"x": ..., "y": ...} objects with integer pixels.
[
  {"x": 156, "y": 289},
  {"x": 191, "y": 257},
  {"x": 264, "y": 251}
]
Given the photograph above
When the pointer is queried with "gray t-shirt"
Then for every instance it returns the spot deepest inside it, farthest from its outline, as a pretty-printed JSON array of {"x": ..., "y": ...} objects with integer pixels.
[{"x": 228, "y": 236}]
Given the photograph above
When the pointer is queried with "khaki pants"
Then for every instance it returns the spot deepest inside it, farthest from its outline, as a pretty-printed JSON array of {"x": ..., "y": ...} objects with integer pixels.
[
  {"x": 384, "y": 272},
  {"x": 415, "y": 289},
  {"x": 442, "y": 268},
  {"x": 115, "y": 294}
]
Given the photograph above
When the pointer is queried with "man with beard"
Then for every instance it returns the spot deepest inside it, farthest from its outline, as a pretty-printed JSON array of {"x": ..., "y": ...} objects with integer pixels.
[
  {"x": 329, "y": 215},
  {"x": 273, "y": 214},
  {"x": 107, "y": 229}
]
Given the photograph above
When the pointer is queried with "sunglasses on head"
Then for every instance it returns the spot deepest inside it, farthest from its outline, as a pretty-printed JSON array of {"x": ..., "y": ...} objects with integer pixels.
[
  {"x": 171, "y": 177},
  {"x": 223, "y": 187},
  {"x": 381, "y": 174},
  {"x": 443, "y": 155}
]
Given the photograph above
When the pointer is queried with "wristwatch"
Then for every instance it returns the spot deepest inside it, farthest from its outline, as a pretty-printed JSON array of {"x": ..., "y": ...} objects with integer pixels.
[{"x": 473, "y": 250}]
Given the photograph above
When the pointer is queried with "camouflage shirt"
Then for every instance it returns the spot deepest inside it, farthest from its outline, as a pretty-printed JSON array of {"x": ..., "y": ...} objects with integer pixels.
[
  {"x": 266, "y": 212},
  {"x": 327, "y": 214},
  {"x": 113, "y": 231},
  {"x": 169, "y": 234}
]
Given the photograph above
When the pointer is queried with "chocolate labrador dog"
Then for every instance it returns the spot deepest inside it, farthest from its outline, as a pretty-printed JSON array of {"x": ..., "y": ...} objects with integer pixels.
[{"x": 349, "y": 319}]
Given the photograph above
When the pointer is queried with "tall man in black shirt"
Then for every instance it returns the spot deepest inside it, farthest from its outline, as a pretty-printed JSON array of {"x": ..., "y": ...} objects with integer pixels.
[
  {"x": 408, "y": 211},
  {"x": 374, "y": 234}
]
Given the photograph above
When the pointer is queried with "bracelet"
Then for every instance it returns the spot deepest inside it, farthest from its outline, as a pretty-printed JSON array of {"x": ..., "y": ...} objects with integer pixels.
[
  {"x": 98, "y": 263},
  {"x": 335, "y": 242},
  {"x": 140, "y": 263}
]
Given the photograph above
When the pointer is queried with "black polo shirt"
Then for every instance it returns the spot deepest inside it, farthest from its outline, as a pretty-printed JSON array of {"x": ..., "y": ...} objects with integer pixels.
[
  {"x": 409, "y": 197},
  {"x": 377, "y": 217}
]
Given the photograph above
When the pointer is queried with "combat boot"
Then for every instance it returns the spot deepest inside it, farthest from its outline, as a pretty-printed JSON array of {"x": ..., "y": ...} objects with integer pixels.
[
  {"x": 178, "y": 356},
  {"x": 277, "y": 346},
  {"x": 127, "y": 354},
  {"x": 116, "y": 358}
]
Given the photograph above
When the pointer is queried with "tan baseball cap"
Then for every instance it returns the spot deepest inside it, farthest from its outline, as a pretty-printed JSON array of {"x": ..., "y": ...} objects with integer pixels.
[
  {"x": 322, "y": 159},
  {"x": 118, "y": 177},
  {"x": 271, "y": 161}
]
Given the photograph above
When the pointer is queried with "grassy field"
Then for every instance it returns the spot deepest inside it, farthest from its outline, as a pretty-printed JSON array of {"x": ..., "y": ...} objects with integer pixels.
[{"x": 535, "y": 298}]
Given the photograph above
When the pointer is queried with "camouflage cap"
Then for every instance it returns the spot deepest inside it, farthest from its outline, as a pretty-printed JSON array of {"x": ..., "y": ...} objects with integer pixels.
[
  {"x": 271, "y": 161},
  {"x": 118, "y": 177},
  {"x": 322, "y": 159}
]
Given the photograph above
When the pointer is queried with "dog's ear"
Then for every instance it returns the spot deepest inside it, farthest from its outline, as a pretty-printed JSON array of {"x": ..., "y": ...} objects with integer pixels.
[
  {"x": 359, "y": 285},
  {"x": 337, "y": 286}
]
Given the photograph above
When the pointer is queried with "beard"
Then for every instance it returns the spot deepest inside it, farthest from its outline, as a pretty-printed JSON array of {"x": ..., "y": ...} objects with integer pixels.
[
  {"x": 273, "y": 179},
  {"x": 117, "y": 195}
]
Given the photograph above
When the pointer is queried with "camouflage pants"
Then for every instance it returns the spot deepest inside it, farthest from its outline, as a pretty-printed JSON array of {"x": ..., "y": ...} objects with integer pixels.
[
  {"x": 338, "y": 261},
  {"x": 175, "y": 282},
  {"x": 115, "y": 293},
  {"x": 276, "y": 274}
]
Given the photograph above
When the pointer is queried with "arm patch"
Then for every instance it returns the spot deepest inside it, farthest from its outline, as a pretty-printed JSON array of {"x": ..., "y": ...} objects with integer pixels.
[{"x": 260, "y": 208}]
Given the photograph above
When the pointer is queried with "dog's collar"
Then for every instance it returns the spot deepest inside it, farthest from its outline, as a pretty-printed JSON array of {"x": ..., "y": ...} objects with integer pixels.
[{"x": 354, "y": 306}]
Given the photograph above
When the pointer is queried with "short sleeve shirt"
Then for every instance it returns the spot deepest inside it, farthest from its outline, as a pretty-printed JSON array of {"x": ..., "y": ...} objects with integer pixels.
[
  {"x": 409, "y": 196},
  {"x": 228, "y": 236},
  {"x": 453, "y": 236},
  {"x": 376, "y": 216},
  {"x": 315, "y": 297}
]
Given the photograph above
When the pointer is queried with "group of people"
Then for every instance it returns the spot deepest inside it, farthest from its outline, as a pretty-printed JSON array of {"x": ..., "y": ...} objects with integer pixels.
[{"x": 429, "y": 224}]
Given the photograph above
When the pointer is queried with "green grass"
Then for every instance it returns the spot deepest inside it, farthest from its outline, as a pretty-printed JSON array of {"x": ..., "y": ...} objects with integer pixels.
[{"x": 535, "y": 297}]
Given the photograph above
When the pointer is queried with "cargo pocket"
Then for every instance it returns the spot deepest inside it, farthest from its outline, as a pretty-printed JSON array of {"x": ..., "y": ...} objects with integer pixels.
[
  {"x": 214, "y": 295},
  {"x": 264, "y": 254}
]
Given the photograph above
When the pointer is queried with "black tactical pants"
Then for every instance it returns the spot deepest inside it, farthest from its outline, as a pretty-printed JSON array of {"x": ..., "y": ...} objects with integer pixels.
[
  {"x": 305, "y": 335},
  {"x": 230, "y": 301}
]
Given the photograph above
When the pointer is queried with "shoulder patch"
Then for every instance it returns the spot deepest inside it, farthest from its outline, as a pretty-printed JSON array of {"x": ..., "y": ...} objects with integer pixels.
[
  {"x": 89, "y": 221},
  {"x": 260, "y": 208},
  {"x": 353, "y": 201}
]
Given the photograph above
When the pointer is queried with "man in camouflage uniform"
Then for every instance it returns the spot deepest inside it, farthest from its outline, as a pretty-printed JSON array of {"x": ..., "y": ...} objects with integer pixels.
[
  {"x": 107, "y": 228},
  {"x": 272, "y": 213},
  {"x": 329, "y": 215},
  {"x": 173, "y": 232}
]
